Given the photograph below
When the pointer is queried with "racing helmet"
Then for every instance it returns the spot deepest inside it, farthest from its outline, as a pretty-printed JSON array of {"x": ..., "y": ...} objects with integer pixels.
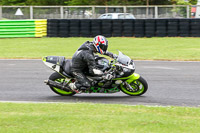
[{"x": 101, "y": 44}]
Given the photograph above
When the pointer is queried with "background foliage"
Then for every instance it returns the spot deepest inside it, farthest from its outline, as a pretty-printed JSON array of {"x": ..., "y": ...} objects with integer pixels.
[{"x": 95, "y": 2}]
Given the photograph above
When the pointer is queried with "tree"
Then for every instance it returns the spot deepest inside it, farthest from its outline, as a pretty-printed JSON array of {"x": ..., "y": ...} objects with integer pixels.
[
  {"x": 193, "y": 2},
  {"x": 183, "y": 2},
  {"x": 12, "y": 2},
  {"x": 117, "y": 2},
  {"x": 45, "y": 2},
  {"x": 78, "y": 2},
  {"x": 95, "y": 2},
  {"x": 161, "y": 2}
]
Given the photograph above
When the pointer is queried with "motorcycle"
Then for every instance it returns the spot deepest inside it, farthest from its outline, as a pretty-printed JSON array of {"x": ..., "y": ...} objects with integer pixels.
[{"x": 121, "y": 68}]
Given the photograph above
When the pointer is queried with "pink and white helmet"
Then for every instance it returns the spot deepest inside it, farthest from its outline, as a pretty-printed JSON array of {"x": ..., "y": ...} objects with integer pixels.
[{"x": 101, "y": 44}]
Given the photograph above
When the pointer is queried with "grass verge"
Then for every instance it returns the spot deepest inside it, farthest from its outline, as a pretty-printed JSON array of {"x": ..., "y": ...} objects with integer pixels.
[
  {"x": 92, "y": 118},
  {"x": 136, "y": 48}
]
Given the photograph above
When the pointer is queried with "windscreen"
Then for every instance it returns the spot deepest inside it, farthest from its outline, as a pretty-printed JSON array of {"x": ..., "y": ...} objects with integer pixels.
[{"x": 123, "y": 59}]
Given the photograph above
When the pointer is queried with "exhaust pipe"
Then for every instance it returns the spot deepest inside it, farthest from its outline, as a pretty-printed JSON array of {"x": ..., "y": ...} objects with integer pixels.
[{"x": 57, "y": 85}]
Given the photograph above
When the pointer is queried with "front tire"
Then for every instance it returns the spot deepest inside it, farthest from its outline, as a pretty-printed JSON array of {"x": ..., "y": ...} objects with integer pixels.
[
  {"x": 58, "y": 78},
  {"x": 139, "y": 86}
]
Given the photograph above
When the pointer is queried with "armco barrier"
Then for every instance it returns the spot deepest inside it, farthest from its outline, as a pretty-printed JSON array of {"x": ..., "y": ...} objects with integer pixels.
[
  {"x": 23, "y": 28},
  {"x": 123, "y": 27}
]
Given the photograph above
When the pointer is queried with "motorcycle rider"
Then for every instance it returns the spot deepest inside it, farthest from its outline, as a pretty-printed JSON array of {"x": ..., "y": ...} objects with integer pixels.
[{"x": 84, "y": 58}]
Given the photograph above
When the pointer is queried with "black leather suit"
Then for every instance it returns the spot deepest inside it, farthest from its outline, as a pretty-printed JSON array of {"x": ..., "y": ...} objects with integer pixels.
[{"x": 82, "y": 60}]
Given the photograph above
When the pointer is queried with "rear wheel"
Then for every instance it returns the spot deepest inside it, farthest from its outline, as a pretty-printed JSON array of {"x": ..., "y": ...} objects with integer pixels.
[
  {"x": 58, "y": 78},
  {"x": 139, "y": 86}
]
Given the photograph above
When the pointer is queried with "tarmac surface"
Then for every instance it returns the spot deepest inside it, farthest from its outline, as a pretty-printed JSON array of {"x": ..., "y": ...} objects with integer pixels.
[{"x": 170, "y": 83}]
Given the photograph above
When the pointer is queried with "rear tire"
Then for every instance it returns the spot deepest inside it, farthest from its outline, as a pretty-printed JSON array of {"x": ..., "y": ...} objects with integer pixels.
[
  {"x": 58, "y": 78},
  {"x": 140, "y": 86}
]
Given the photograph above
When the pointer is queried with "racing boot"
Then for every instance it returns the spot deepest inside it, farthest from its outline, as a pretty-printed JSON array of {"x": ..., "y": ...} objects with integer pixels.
[{"x": 73, "y": 87}]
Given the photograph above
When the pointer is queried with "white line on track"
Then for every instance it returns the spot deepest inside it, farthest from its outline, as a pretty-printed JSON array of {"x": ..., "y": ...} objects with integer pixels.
[
  {"x": 27, "y": 102},
  {"x": 160, "y": 67},
  {"x": 32, "y": 102},
  {"x": 35, "y": 102}
]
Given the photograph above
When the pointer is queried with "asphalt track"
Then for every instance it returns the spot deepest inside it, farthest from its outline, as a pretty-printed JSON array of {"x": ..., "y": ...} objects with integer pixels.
[{"x": 170, "y": 83}]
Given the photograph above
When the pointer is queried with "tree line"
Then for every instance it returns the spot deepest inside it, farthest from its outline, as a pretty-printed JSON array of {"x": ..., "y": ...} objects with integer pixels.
[{"x": 97, "y": 2}]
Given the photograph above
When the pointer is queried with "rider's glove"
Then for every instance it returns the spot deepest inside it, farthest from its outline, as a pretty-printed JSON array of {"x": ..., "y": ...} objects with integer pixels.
[
  {"x": 115, "y": 56},
  {"x": 107, "y": 76}
]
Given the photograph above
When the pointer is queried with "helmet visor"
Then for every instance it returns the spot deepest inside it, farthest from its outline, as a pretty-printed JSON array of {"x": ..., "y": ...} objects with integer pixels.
[{"x": 104, "y": 47}]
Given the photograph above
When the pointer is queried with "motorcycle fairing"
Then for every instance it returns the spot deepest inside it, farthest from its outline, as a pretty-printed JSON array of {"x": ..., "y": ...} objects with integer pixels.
[{"x": 130, "y": 78}]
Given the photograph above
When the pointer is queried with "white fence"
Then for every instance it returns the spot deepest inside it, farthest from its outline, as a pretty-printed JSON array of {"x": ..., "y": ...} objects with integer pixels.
[{"x": 92, "y": 12}]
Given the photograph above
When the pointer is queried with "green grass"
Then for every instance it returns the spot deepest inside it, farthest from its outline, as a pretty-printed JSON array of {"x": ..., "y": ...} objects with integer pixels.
[
  {"x": 92, "y": 118},
  {"x": 137, "y": 48}
]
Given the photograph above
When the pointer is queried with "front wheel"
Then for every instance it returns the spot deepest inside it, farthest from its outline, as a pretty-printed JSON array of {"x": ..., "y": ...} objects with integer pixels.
[
  {"x": 139, "y": 86},
  {"x": 58, "y": 78}
]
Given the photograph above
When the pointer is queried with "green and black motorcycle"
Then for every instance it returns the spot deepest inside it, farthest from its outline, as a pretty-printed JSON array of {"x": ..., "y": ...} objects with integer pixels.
[{"x": 121, "y": 68}]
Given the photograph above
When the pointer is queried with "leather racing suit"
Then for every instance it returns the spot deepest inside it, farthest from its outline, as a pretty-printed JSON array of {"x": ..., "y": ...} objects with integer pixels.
[{"x": 83, "y": 60}]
